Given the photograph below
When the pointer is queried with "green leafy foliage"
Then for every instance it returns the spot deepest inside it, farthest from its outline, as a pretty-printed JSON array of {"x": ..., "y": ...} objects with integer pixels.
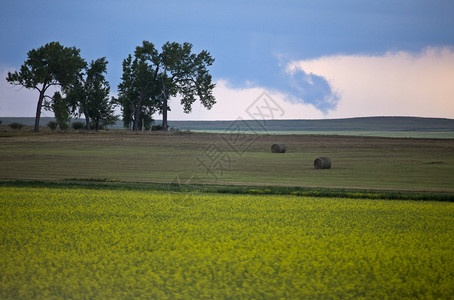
[
  {"x": 59, "y": 106},
  {"x": 78, "y": 125},
  {"x": 49, "y": 65},
  {"x": 90, "y": 243},
  {"x": 138, "y": 89},
  {"x": 151, "y": 78},
  {"x": 88, "y": 95},
  {"x": 185, "y": 74}
]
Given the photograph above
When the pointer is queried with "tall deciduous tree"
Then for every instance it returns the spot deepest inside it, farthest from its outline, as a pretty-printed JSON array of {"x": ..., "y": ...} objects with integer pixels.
[
  {"x": 89, "y": 95},
  {"x": 49, "y": 65},
  {"x": 152, "y": 78},
  {"x": 185, "y": 74},
  {"x": 138, "y": 89}
]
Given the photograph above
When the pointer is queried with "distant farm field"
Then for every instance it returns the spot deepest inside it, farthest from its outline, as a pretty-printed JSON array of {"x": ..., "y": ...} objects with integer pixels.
[
  {"x": 94, "y": 243},
  {"x": 357, "y": 162},
  {"x": 393, "y": 134}
]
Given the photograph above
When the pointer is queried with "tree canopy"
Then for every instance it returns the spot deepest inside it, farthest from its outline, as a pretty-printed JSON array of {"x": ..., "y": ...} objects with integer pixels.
[
  {"x": 151, "y": 78},
  {"x": 59, "y": 106},
  {"x": 88, "y": 95},
  {"x": 138, "y": 89},
  {"x": 49, "y": 65}
]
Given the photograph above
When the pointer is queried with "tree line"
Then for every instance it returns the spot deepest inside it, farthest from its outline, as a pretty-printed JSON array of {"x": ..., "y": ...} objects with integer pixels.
[{"x": 150, "y": 78}]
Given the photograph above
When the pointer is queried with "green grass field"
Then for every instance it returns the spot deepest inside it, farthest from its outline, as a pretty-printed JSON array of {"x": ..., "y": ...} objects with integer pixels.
[
  {"x": 357, "y": 162},
  {"x": 119, "y": 244}
]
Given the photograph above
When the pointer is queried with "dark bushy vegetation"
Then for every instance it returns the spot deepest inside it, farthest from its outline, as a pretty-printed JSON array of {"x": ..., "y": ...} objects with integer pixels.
[
  {"x": 16, "y": 126},
  {"x": 78, "y": 125},
  {"x": 156, "y": 127},
  {"x": 115, "y": 184},
  {"x": 93, "y": 126},
  {"x": 52, "y": 125}
]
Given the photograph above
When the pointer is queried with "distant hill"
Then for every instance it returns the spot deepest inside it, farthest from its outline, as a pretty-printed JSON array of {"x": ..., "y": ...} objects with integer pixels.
[{"x": 350, "y": 124}]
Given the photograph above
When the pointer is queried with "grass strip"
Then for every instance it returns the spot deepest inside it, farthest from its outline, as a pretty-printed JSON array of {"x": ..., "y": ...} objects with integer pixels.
[{"x": 114, "y": 184}]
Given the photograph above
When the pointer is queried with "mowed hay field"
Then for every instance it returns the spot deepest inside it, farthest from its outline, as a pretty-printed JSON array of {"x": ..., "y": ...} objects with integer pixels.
[
  {"x": 59, "y": 243},
  {"x": 357, "y": 162}
]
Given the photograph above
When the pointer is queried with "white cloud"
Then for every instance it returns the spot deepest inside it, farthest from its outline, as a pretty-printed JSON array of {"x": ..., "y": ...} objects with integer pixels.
[
  {"x": 232, "y": 103},
  {"x": 397, "y": 83}
]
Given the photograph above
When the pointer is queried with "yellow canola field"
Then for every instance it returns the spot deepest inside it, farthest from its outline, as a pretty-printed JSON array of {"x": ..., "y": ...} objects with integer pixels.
[{"x": 107, "y": 244}]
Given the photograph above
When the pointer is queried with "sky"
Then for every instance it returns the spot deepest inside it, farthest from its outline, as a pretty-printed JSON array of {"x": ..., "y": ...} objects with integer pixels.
[{"x": 310, "y": 59}]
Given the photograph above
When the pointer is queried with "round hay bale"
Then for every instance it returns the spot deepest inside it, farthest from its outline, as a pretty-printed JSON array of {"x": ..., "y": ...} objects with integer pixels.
[
  {"x": 278, "y": 148},
  {"x": 322, "y": 163}
]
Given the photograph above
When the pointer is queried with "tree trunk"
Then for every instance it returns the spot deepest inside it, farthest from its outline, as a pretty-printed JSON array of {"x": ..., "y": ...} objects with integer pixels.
[
  {"x": 165, "y": 127},
  {"x": 87, "y": 121},
  {"x": 137, "y": 109},
  {"x": 38, "y": 109},
  {"x": 135, "y": 125}
]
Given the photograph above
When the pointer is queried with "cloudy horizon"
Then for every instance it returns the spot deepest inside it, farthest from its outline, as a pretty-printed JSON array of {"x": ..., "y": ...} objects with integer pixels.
[{"x": 315, "y": 60}]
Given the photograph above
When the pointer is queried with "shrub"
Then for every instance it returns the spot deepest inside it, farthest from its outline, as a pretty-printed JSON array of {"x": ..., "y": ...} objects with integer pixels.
[
  {"x": 16, "y": 126},
  {"x": 78, "y": 125},
  {"x": 52, "y": 125},
  {"x": 156, "y": 127},
  {"x": 93, "y": 126},
  {"x": 1, "y": 122}
]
